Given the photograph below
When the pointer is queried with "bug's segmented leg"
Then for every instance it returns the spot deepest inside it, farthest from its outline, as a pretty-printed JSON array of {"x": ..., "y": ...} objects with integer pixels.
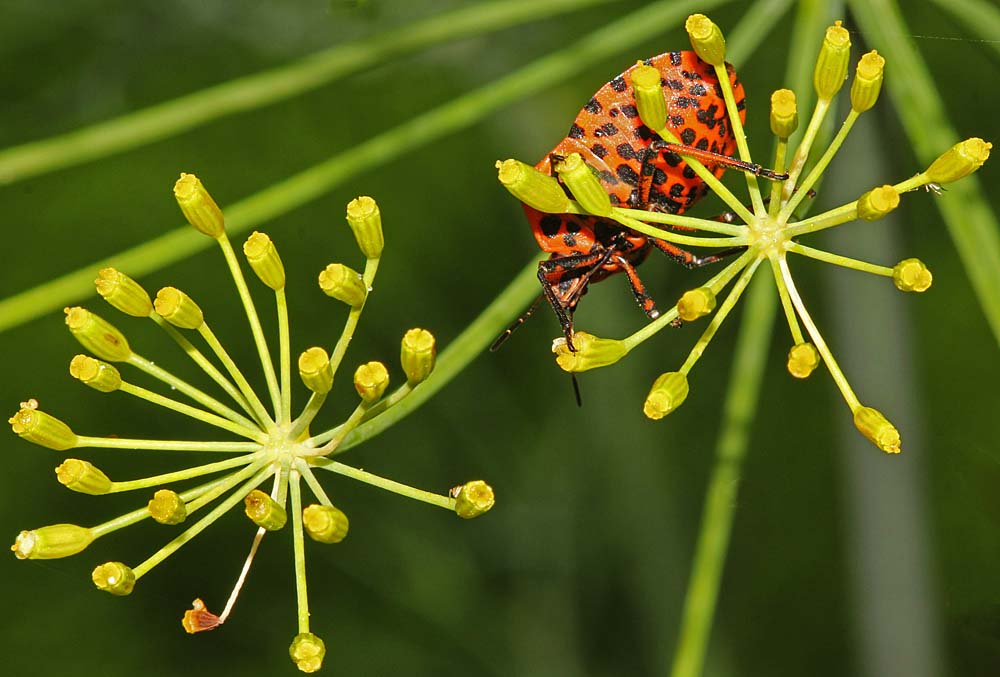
[
  {"x": 689, "y": 260},
  {"x": 659, "y": 146},
  {"x": 638, "y": 288}
]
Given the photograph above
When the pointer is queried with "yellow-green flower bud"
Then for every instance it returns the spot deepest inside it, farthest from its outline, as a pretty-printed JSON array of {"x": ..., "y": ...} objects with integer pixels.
[
  {"x": 344, "y": 284},
  {"x": 695, "y": 304},
  {"x": 877, "y": 202},
  {"x": 784, "y": 113},
  {"x": 472, "y": 499},
  {"x": 365, "y": 220},
  {"x": 95, "y": 373},
  {"x": 167, "y": 507},
  {"x": 83, "y": 477},
  {"x": 325, "y": 524},
  {"x": 178, "y": 308},
  {"x": 959, "y": 161},
  {"x": 867, "y": 81},
  {"x": 591, "y": 352},
  {"x": 52, "y": 542},
  {"x": 530, "y": 186},
  {"x": 668, "y": 392},
  {"x": 97, "y": 335},
  {"x": 263, "y": 257},
  {"x": 43, "y": 429},
  {"x": 417, "y": 354},
  {"x": 370, "y": 380},
  {"x": 584, "y": 185},
  {"x": 831, "y": 65},
  {"x": 314, "y": 369},
  {"x": 912, "y": 275},
  {"x": 307, "y": 652},
  {"x": 264, "y": 510},
  {"x": 648, "y": 92},
  {"x": 114, "y": 578},
  {"x": 706, "y": 38},
  {"x": 803, "y": 359},
  {"x": 124, "y": 293},
  {"x": 877, "y": 428},
  {"x": 198, "y": 206}
]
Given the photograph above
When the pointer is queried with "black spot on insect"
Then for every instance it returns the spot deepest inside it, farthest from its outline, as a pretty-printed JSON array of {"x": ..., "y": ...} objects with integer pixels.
[
  {"x": 569, "y": 240},
  {"x": 572, "y": 226},
  {"x": 675, "y": 58},
  {"x": 630, "y": 111},
  {"x": 648, "y": 62},
  {"x": 672, "y": 158},
  {"x": 675, "y": 85},
  {"x": 593, "y": 106},
  {"x": 599, "y": 150},
  {"x": 676, "y": 120},
  {"x": 688, "y": 136},
  {"x": 697, "y": 89},
  {"x": 676, "y": 190},
  {"x": 576, "y": 131},
  {"x": 665, "y": 203},
  {"x": 618, "y": 84},
  {"x": 741, "y": 104},
  {"x": 627, "y": 174},
  {"x": 550, "y": 224},
  {"x": 607, "y": 129},
  {"x": 723, "y": 129},
  {"x": 688, "y": 173},
  {"x": 625, "y": 151},
  {"x": 702, "y": 144},
  {"x": 691, "y": 75},
  {"x": 614, "y": 200},
  {"x": 633, "y": 198},
  {"x": 607, "y": 177},
  {"x": 715, "y": 148},
  {"x": 659, "y": 177},
  {"x": 614, "y": 112},
  {"x": 684, "y": 102},
  {"x": 604, "y": 231},
  {"x": 643, "y": 132}
]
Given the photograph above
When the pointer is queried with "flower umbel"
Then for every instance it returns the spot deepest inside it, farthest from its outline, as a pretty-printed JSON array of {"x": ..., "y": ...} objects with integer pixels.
[
  {"x": 767, "y": 233},
  {"x": 276, "y": 445}
]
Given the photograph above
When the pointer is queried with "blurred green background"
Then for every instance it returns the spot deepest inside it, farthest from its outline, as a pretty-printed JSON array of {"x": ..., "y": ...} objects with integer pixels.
[{"x": 843, "y": 560}]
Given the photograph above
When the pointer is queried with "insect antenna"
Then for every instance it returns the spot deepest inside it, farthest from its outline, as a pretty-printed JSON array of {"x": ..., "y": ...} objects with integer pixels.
[{"x": 502, "y": 338}]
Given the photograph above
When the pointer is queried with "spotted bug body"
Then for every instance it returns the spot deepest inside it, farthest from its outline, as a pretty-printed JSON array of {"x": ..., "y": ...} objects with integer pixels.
[{"x": 638, "y": 170}]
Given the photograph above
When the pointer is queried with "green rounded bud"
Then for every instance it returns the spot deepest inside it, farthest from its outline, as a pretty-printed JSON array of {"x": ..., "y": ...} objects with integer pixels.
[
  {"x": 370, "y": 380},
  {"x": 314, "y": 369},
  {"x": 307, "y": 652},
  {"x": 263, "y": 257},
  {"x": 97, "y": 335},
  {"x": 52, "y": 542},
  {"x": 695, "y": 304},
  {"x": 178, "y": 308},
  {"x": 803, "y": 359},
  {"x": 42, "y": 429},
  {"x": 472, "y": 499},
  {"x": 584, "y": 185},
  {"x": 83, "y": 477},
  {"x": 706, "y": 38},
  {"x": 877, "y": 428},
  {"x": 648, "y": 92},
  {"x": 530, "y": 186},
  {"x": 167, "y": 507},
  {"x": 124, "y": 293},
  {"x": 959, "y": 161},
  {"x": 417, "y": 354},
  {"x": 877, "y": 202},
  {"x": 365, "y": 220},
  {"x": 325, "y": 524},
  {"x": 264, "y": 511},
  {"x": 95, "y": 373},
  {"x": 834, "y": 58},
  {"x": 867, "y": 81},
  {"x": 912, "y": 275},
  {"x": 114, "y": 578},
  {"x": 591, "y": 352},
  {"x": 668, "y": 392},
  {"x": 198, "y": 206},
  {"x": 784, "y": 113},
  {"x": 344, "y": 284}
]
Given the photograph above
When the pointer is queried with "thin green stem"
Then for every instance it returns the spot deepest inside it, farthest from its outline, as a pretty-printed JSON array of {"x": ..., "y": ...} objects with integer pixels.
[
  {"x": 193, "y": 412},
  {"x": 299, "y": 548},
  {"x": 786, "y": 302},
  {"x": 352, "y": 422},
  {"x": 829, "y": 219},
  {"x": 314, "y": 485},
  {"x": 163, "y": 445},
  {"x": 736, "y": 125},
  {"x": 676, "y": 238},
  {"x": 259, "y": 410},
  {"x": 371, "y": 412},
  {"x": 199, "y": 526},
  {"x": 802, "y": 151},
  {"x": 774, "y": 206},
  {"x": 260, "y": 89},
  {"x": 645, "y": 23},
  {"x": 254, "y": 320},
  {"x": 817, "y": 171},
  {"x": 186, "y": 474},
  {"x": 232, "y": 480},
  {"x": 195, "y": 394},
  {"x": 838, "y": 260},
  {"x": 285, "y": 355},
  {"x": 446, "y": 502},
  {"x": 682, "y": 221}
]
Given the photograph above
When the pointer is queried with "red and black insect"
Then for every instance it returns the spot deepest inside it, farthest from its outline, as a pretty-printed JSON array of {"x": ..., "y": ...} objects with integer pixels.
[{"x": 639, "y": 170}]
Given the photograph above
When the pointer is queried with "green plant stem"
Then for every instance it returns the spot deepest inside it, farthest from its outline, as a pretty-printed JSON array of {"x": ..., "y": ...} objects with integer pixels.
[
  {"x": 819, "y": 168},
  {"x": 181, "y": 475},
  {"x": 314, "y": 485},
  {"x": 786, "y": 303},
  {"x": 285, "y": 355},
  {"x": 446, "y": 502},
  {"x": 972, "y": 224},
  {"x": 299, "y": 548},
  {"x": 260, "y": 89},
  {"x": 259, "y": 412},
  {"x": 319, "y": 179},
  {"x": 838, "y": 260},
  {"x": 720, "y": 499},
  {"x": 193, "y": 412},
  {"x": 162, "y": 445}
]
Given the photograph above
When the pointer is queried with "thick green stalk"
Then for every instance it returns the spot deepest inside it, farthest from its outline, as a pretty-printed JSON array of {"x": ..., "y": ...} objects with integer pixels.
[
  {"x": 319, "y": 179},
  {"x": 260, "y": 89}
]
